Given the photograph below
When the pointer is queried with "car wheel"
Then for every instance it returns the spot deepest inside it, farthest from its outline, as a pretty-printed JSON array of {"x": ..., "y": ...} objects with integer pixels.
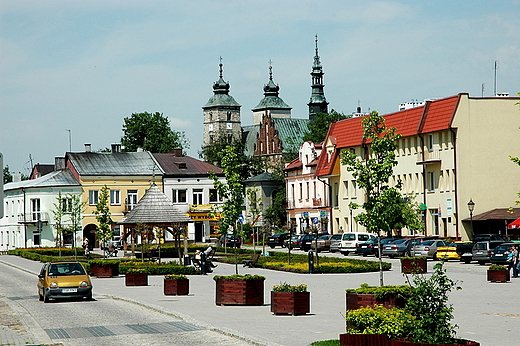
[
  {"x": 435, "y": 258},
  {"x": 467, "y": 260},
  {"x": 272, "y": 247},
  {"x": 345, "y": 253},
  {"x": 89, "y": 297},
  {"x": 391, "y": 256},
  {"x": 482, "y": 263}
]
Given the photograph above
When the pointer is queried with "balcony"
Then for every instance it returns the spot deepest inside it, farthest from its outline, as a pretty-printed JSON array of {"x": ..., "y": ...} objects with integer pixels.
[
  {"x": 32, "y": 218},
  {"x": 316, "y": 202},
  {"x": 429, "y": 157}
]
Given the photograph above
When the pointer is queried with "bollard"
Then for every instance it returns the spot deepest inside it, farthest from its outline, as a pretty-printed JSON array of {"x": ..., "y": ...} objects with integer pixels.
[
  {"x": 187, "y": 260},
  {"x": 311, "y": 262}
]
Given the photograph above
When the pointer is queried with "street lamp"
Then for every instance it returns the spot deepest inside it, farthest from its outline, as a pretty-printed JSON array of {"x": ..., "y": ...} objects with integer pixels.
[
  {"x": 351, "y": 220},
  {"x": 471, "y": 207}
]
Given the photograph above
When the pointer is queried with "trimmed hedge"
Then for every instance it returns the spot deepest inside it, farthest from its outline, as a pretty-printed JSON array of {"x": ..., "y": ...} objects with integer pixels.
[{"x": 153, "y": 268}]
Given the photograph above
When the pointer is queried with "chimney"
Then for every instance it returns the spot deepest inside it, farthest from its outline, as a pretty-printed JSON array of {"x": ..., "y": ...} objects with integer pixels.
[
  {"x": 88, "y": 147},
  {"x": 177, "y": 152},
  {"x": 359, "y": 109},
  {"x": 59, "y": 163},
  {"x": 17, "y": 177},
  {"x": 116, "y": 148}
]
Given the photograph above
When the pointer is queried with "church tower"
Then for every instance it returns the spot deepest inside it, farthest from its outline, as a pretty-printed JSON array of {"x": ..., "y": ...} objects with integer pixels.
[
  {"x": 221, "y": 114},
  {"x": 271, "y": 104},
  {"x": 318, "y": 102}
]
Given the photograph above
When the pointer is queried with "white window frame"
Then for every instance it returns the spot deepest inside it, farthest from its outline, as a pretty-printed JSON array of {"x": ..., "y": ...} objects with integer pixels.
[
  {"x": 115, "y": 197},
  {"x": 93, "y": 197}
]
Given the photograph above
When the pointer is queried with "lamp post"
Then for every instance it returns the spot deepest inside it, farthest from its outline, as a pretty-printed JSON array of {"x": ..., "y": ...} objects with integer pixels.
[
  {"x": 471, "y": 207},
  {"x": 351, "y": 220}
]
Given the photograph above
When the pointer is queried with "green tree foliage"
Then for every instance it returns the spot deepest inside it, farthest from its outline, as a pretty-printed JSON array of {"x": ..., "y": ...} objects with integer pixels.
[
  {"x": 58, "y": 213},
  {"x": 276, "y": 214},
  {"x": 76, "y": 215},
  {"x": 152, "y": 132},
  {"x": 319, "y": 126},
  {"x": 8, "y": 177},
  {"x": 103, "y": 216},
  {"x": 249, "y": 166},
  {"x": 231, "y": 190}
]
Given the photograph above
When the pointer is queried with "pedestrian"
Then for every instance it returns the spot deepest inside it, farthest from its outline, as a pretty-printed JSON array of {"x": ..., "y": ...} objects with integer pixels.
[
  {"x": 515, "y": 261},
  {"x": 86, "y": 247}
]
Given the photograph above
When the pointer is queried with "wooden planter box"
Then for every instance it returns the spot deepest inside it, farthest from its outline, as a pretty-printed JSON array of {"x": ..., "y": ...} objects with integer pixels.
[
  {"x": 293, "y": 303},
  {"x": 364, "y": 340},
  {"x": 409, "y": 343},
  {"x": 356, "y": 301},
  {"x": 414, "y": 266},
  {"x": 176, "y": 287},
  {"x": 136, "y": 279},
  {"x": 384, "y": 340},
  {"x": 104, "y": 270},
  {"x": 498, "y": 275},
  {"x": 239, "y": 292}
]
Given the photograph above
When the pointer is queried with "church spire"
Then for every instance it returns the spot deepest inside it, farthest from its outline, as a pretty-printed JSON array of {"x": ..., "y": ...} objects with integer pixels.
[{"x": 318, "y": 103}]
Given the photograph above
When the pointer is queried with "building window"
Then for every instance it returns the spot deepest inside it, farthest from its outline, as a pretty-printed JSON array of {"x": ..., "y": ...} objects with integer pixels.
[
  {"x": 93, "y": 197},
  {"x": 131, "y": 199},
  {"x": 115, "y": 197},
  {"x": 430, "y": 143},
  {"x": 345, "y": 183},
  {"x": 35, "y": 209},
  {"x": 308, "y": 190},
  {"x": 214, "y": 196},
  {"x": 354, "y": 188},
  {"x": 197, "y": 196},
  {"x": 431, "y": 181},
  {"x": 179, "y": 196},
  {"x": 66, "y": 205},
  {"x": 336, "y": 193}
]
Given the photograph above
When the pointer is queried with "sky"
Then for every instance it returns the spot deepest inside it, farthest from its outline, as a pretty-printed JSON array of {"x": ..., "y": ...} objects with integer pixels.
[{"x": 71, "y": 71}]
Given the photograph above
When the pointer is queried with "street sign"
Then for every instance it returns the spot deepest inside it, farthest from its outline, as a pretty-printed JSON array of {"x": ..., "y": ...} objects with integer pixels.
[
  {"x": 315, "y": 220},
  {"x": 241, "y": 218}
]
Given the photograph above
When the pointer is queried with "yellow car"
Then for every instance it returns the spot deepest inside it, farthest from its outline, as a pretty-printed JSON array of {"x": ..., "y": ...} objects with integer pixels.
[
  {"x": 63, "y": 279},
  {"x": 449, "y": 252}
]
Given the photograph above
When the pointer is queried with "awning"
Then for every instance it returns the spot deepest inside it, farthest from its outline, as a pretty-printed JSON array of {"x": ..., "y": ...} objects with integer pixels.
[{"x": 515, "y": 224}]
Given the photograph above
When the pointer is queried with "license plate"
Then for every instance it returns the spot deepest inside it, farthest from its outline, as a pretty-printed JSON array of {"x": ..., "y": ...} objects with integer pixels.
[
  {"x": 499, "y": 254},
  {"x": 69, "y": 290},
  {"x": 364, "y": 246}
]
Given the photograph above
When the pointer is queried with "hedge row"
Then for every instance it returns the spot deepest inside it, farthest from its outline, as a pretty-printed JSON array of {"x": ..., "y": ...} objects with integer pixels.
[{"x": 153, "y": 268}]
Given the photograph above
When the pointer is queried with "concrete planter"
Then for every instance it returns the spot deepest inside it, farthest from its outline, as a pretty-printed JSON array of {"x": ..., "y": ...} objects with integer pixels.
[
  {"x": 104, "y": 270},
  {"x": 414, "y": 266},
  {"x": 292, "y": 303},
  {"x": 239, "y": 292},
  {"x": 498, "y": 275},
  {"x": 136, "y": 279},
  {"x": 176, "y": 287}
]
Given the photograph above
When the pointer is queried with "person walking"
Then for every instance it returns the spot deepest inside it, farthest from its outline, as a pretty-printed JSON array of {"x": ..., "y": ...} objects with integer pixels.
[
  {"x": 86, "y": 247},
  {"x": 514, "y": 261}
]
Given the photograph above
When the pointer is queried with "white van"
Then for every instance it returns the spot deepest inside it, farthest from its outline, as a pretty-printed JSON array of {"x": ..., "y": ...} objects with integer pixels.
[{"x": 349, "y": 241}]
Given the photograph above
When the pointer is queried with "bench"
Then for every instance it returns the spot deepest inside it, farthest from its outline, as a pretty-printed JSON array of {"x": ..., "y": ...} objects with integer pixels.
[{"x": 251, "y": 263}]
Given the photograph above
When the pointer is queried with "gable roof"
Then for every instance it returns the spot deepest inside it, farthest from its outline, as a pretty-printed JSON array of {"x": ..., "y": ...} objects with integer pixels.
[
  {"x": 131, "y": 163},
  {"x": 175, "y": 165},
  {"x": 40, "y": 170},
  {"x": 62, "y": 177},
  {"x": 154, "y": 208}
]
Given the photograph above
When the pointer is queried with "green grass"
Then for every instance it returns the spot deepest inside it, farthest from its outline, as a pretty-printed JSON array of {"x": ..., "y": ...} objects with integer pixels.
[{"x": 334, "y": 342}]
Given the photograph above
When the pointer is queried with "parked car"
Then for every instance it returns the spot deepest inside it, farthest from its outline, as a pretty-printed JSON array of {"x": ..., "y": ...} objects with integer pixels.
[
  {"x": 229, "y": 240},
  {"x": 500, "y": 254},
  {"x": 482, "y": 250},
  {"x": 427, "y": 248},
  {"x": 335, "y": 242},
  {"x": 62, "y": 280},
  {"x": 448, "y": 252},
  {"x": 277, "y": 239},
  {"x": 350, "y": 240},
  {"x": 293, "y": 242},
  {"x": 401, "y": 247},
  {"x": 306, "y": 242},
  {"x": 323, "y": 243},
  {"x": 370, "y": 246}
]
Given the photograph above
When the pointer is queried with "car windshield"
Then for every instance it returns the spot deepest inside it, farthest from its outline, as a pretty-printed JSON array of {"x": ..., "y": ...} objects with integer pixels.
[
  {"x": 324, "y": 237},
  {"x": 63, "y": 269},
  {"x": 427, "y": 243},
  {"x": 349, "y": 236},
  {"x": 399, "y": 241},
  {"x": 336, "y": 237}
]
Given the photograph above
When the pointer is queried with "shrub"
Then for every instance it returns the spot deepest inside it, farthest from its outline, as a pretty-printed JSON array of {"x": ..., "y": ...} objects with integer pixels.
[
  {"x": 395, "y": 322},
  {"x": 285, "y": 287},
  {"x": 238, "y": 277},
  {"x": 175, "y": 277},
  {"x": 497, "y": 267},
  {"x": 382, "y": 292}
]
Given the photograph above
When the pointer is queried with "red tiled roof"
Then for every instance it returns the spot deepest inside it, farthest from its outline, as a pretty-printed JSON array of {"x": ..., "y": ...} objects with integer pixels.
[
  {"x": 434, "y": 116},
  {"x": 294, "y": 164},
  {"x": 184, "y": 165}
]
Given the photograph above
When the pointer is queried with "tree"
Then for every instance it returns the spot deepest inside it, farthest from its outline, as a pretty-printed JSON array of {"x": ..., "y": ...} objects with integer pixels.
[
  {"x": 383, "y": 206},
  {"x": 232, "y": 192},
  {"x": 103, "y": 217},
  {"x": 8, "y": 177},
  {"x": 151, "y": 132},
  {"x": 249, "y": 166},
  {"x": 76, "y": 215},
  {"x": 58, "y": 213},
  {"x": 319, "y": 126}
]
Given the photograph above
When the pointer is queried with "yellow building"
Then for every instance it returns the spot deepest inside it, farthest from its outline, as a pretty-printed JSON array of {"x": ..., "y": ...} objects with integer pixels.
[
  {"x": 452, "y": 150},
  {"x": 127, "y": 174}
]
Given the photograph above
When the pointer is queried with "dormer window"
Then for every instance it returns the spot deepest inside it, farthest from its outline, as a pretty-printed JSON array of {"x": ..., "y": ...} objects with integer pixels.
[{"x": 182, "y": 165}]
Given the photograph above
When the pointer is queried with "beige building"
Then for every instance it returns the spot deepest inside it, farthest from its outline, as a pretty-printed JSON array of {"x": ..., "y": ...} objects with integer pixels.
[{"x": 452, "y": 150}]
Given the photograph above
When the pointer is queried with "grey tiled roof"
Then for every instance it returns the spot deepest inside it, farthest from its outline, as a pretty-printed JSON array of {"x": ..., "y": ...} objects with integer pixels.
[
  {"x": 290, "y": 129},
  {"x": 154, "y": 208},
  {"x": 132, "y": 163},
  {"x": 62, "y": 177},
  {"x": 249, "y": 134}
]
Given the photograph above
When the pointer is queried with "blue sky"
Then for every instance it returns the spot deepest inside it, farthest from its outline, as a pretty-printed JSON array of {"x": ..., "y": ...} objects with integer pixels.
[{"x": 85, "y": 65}]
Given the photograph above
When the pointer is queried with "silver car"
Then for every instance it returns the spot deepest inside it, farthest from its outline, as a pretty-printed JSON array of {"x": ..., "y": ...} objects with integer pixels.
[
  {"x": 427, "y": 248},
  {"x": 335, "y": 242}
]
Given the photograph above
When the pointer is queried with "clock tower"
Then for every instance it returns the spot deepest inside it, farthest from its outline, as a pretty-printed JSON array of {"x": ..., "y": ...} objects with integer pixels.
[
  {"x": 221, "y": 114},
  {"x": 318, "y": 102}
]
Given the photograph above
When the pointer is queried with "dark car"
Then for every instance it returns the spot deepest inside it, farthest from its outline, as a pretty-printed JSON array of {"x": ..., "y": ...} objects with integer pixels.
[
  {"x": 293, "y": 242},
  {"x": 370, "y": 246},
  {"x": 306, "y": 242},
  {"x": 500, "y": 254},
  {"x": 482, "y": 250},
  {"x": 277, "y": 239},
  {"x": 229, "y": 240}
]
